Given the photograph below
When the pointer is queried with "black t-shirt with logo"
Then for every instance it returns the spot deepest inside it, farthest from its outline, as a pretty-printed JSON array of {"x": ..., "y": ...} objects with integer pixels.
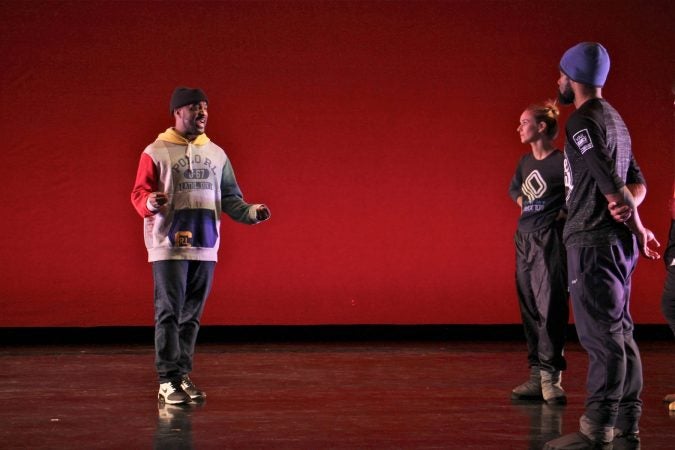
[{"x": 541, "y": 184}]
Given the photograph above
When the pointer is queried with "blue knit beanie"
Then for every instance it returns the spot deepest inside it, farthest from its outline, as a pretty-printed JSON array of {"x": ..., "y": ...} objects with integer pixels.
[
  {"x": 587, "y": 63},
  {"x": 186, "y": 96}
]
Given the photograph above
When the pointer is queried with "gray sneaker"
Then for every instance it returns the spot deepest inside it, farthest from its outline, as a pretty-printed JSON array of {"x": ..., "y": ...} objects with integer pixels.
[
  {"x": 531, "y": 389},
  {"x": 551, "y": 388}
]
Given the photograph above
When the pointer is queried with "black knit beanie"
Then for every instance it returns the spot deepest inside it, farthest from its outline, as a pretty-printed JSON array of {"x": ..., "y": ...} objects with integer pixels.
[{"x": 186, "y": 96}]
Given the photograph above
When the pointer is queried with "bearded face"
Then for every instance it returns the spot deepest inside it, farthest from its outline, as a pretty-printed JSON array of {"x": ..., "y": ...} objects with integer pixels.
[{"x": 565, "y": 92}]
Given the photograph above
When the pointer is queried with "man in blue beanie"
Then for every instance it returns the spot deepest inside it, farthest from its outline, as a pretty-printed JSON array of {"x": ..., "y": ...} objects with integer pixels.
[{"x": 603, "y": 235}]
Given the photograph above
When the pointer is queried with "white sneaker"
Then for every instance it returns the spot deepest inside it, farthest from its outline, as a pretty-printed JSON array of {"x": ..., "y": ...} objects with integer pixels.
[{"x": 172, "y": 394}]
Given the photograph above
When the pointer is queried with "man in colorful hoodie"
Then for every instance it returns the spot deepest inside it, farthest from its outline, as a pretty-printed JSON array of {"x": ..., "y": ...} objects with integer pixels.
[{"x": 184, "y": 182}]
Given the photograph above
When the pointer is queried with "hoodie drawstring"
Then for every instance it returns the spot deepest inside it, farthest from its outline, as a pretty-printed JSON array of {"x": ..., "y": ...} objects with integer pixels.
[{"x": 188, "y": 153}]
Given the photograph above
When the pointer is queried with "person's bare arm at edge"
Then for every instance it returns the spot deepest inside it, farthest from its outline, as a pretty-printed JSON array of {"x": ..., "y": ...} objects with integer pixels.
[
  {"x": 624, "y": 198},
  {"x": 621, "y": 212}
]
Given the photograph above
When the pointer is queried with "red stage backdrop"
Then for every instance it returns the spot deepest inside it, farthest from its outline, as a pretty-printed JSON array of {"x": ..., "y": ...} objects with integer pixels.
[{"x": 381, "y": 134}]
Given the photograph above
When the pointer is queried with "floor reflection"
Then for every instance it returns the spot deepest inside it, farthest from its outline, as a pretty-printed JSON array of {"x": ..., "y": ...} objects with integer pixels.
[
  {"x": 546, "y": 421},
  {"x": 309, "y": 395},
  {"x": 174, "y": 426}
]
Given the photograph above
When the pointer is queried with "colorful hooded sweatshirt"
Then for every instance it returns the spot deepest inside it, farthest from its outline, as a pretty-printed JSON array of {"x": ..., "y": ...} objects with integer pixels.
[{"x": 198, "y": 178}]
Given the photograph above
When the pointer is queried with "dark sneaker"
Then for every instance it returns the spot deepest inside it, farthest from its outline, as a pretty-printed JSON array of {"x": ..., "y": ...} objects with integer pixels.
[
  {"x": 171, "y": 393},
  {"x": 191, "y": 389},
  {"x": 626, "y": 441},
  {"x": 576, "y": 441}
]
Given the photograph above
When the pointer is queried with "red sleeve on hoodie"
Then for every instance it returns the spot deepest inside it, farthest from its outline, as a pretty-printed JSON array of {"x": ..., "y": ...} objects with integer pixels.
[{"x": 146, "y": 183}]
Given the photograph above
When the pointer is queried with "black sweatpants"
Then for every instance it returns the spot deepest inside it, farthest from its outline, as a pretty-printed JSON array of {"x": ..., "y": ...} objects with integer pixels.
[
  {"x": 600, "y": 284},
  {"x": 541, "y": 282},
  {"x": 668, "y": 298}
]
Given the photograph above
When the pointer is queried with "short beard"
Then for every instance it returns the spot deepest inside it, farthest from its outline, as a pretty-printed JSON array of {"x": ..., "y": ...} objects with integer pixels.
[{"x": 566, "y": 97}]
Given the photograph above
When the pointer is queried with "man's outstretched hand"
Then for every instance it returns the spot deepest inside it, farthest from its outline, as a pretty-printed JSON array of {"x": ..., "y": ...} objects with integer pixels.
[{"x": 262, "y": 213}]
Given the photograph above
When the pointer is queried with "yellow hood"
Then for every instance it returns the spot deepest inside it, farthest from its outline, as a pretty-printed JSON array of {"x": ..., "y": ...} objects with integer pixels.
[{"x": 170, "y": 135}]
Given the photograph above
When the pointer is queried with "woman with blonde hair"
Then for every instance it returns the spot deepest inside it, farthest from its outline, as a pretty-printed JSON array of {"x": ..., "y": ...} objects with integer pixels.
[{"x": 541, "y": 267}]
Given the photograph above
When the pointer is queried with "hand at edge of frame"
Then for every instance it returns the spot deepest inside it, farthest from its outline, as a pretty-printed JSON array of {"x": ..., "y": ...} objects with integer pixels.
[
  {"x": 644, "y": 240},
  {"x": 262, "y": 213}
]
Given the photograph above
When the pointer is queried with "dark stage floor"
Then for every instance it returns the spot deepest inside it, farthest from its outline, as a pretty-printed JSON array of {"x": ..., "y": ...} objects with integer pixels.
[{"x": 304, "y": 395}]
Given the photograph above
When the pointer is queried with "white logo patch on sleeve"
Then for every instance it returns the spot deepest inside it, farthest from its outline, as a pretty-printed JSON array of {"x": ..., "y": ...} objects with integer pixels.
[{"x": 583, "y": 140}]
